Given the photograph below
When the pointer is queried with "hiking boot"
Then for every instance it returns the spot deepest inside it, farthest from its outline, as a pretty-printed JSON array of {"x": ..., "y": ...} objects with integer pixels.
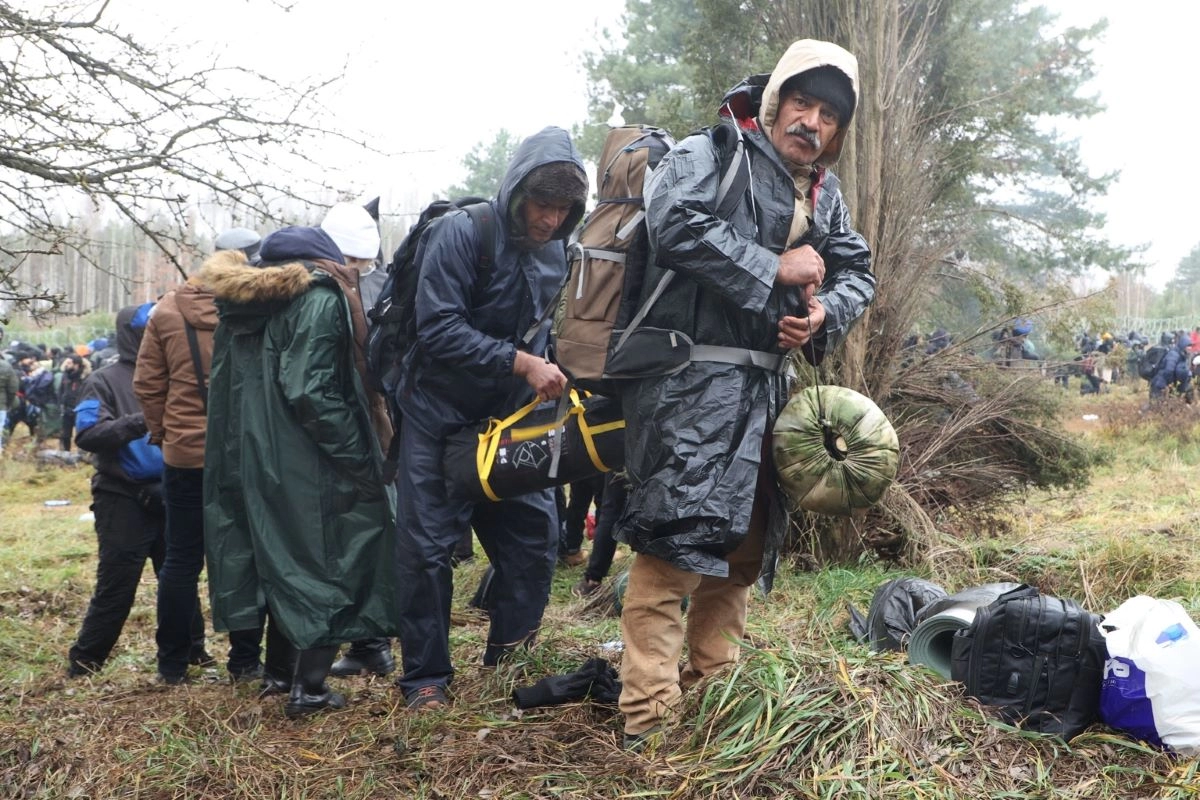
[
  {"x": 428, "y": 698},
  {"x": 573, "y": 559},
  {"x": 586, "y": 587},
  {"x": 637, "y": 742},
  {"x": 172, "y": 680},
  {"x": 357, "y": 662}
]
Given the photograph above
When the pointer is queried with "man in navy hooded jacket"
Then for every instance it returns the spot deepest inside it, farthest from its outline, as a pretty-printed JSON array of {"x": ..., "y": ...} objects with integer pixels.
[{"x": 465, "y": 367}]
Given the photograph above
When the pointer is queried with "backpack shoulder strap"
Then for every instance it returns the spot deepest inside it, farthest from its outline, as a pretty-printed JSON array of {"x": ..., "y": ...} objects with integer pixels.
[
  {"x": 735, "y": 180},
  {"x": 201, "y": 378},
  {"x": 730, "y": 143},
  {"x": 485, "y": 225}
]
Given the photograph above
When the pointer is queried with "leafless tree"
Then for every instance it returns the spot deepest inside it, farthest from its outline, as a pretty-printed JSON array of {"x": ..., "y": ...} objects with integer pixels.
[{"x": 95, "y": 124}]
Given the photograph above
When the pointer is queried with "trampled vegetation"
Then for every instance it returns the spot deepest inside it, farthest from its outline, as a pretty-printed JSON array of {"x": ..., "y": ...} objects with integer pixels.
[{"x": 807, "y": 713}]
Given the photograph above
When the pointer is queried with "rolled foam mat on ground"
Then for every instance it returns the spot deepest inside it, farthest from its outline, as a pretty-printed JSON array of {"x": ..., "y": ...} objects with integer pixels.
[{"x": 931, "y": 641}]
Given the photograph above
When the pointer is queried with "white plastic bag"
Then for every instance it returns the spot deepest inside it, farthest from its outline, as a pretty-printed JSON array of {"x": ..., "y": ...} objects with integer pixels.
[{"x": 1151, "y": 687}]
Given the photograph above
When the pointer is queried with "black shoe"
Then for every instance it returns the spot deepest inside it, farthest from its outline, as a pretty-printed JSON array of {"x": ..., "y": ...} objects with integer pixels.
[
  {"x": 248, "y": 674},
  {"x": 172, "y": 680},
  {"x": 82, "y": 669},
  {"x": 376, "y": 662},
  {"x": 272, "y": 686},
  {"x": 201, "y": 658},
  {"x": 428, "y": 698},
  {"x": 300, "y": 704}
]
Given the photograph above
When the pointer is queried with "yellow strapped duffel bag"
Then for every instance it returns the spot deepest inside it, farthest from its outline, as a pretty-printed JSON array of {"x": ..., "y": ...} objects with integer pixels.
[{"x": 536, "y": 448}]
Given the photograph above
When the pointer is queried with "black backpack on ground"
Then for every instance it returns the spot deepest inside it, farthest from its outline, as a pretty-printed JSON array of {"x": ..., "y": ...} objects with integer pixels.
[
  {"x": 393, "y": 319},
  {"x": 1038, "y": 659},
  {"x": 1150, "y": 361}
]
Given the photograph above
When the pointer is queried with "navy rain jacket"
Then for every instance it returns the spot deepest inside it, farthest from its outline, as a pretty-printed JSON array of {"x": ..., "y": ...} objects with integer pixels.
[{"x": 468, "y": 320}]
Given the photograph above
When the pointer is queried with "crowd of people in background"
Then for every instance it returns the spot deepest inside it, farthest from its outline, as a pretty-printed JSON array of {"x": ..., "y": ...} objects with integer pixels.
[
  {"x": 1098, "y": 362},
  {"x": 40, "y": 385}
]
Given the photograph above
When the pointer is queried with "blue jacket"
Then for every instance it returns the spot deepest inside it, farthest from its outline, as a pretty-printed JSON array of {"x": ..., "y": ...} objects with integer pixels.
[
  {"x": 109, "y": 421},
  {"x": 1175, "y": 370},
  {"x": 468, "y": 321}
]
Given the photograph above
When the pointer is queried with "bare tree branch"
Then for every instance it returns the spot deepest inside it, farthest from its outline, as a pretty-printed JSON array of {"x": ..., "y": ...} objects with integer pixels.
[{"x": 90, "y": 115}]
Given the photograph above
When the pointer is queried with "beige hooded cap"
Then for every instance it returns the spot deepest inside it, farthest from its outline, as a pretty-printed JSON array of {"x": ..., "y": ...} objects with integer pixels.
[{"x": 802, "y": 56}]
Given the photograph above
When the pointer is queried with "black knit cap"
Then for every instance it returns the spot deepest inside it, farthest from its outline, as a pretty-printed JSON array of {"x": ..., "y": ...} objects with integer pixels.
[
  {"x": 828, "y": 84},
  {"x": 556, "y": 182}
]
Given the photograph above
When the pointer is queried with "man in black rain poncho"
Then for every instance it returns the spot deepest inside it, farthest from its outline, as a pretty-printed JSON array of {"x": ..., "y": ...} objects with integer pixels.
[
  {"x": 704, "y": 514},
  {"x": 466, "y": 367}
]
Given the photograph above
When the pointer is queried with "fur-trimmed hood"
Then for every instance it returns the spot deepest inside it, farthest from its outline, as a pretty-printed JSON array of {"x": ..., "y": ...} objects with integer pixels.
[{"x": 229, "y": 276}]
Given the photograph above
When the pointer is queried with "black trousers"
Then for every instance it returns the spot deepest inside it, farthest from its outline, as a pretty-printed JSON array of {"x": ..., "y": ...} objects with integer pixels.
[
  {"x": 604, "y": 545},
  {"x": 582, "y": 495},
  {"x": 127, "y": 534}
]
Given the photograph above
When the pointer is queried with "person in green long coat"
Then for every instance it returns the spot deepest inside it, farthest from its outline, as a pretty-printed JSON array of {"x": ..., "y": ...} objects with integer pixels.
[{"x": 298, "y": 519}]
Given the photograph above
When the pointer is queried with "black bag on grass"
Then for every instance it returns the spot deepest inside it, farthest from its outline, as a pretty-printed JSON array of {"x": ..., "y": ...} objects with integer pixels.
[
  {"x": 1038, "y": 659},
  {"x": 506, "y": 458},
  {"x": 896, "y": 608}
]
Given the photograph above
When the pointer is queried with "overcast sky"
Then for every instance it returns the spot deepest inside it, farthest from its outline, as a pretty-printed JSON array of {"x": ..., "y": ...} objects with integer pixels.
[{"x": 429, "y": 80}]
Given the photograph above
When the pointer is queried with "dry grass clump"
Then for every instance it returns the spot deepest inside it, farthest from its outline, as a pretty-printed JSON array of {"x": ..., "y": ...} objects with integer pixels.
[
  {"x": 971, "y": 434},
  {"x": 794, "y": 723},
  {"x": 1135, "y": 417}
]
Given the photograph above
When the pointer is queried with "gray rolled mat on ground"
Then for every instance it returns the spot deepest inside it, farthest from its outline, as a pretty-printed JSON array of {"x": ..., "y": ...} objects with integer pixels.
[{"x": 930, "y": 642}]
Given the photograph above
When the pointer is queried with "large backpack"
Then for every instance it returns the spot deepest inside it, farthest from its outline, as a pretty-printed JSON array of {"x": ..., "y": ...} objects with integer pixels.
[
  {"x": 1038, "y": 659},
  {"x": 607, "y": 259},
  {"x": 1148, "y": 364},
  {"x": 603, "y": 300},
  {"x": 393, "y": 318}
]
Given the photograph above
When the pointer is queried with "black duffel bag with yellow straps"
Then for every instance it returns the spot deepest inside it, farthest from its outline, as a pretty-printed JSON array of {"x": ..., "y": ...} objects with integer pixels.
[{"x": 536, "y": 448}]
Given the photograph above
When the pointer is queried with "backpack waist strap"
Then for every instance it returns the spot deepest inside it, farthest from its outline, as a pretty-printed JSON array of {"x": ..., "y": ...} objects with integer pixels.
[{"x": 771, "y": 362}]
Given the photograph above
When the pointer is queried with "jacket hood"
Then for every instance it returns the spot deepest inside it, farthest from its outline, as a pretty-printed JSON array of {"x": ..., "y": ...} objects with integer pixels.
[
  {"x": 195, "y": 304},
  {"x": 299, "y": 243},
  {"x": 800, "y": 57},
  {"x": 131, "y": 324},
  {"x": 547, "y": 146},
  {"x": 229, "y": 276}
]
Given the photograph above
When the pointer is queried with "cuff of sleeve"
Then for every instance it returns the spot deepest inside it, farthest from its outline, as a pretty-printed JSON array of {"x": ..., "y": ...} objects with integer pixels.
[{"x": 510, "y": 359}]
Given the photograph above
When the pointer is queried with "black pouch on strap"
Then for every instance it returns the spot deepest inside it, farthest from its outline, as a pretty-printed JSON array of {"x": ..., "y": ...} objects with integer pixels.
[{"x": 648, "y": 352}]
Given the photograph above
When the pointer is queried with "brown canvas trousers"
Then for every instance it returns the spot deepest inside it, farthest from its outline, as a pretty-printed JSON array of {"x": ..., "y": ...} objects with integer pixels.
[{"x": 653, "y": 629}]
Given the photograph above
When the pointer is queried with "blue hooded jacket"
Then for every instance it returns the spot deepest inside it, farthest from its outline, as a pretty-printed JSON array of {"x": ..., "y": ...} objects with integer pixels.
[
  {"x": 1175, "y": 370},
  {"x": 468, "y": 321}
]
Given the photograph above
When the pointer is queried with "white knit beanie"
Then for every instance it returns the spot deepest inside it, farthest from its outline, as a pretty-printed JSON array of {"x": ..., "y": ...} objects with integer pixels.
[{"x": 352, "y": 230}]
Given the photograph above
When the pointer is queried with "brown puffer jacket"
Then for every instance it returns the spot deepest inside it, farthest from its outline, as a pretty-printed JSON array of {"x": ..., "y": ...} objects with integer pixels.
[{"x": 165, "y": 380}]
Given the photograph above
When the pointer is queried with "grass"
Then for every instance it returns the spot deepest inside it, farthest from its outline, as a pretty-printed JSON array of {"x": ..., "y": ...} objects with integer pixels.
[{"x": 806, "y": 713}]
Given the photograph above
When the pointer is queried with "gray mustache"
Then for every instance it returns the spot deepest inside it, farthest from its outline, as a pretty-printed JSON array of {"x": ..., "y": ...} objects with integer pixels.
[{"x": 810, "y": 136}]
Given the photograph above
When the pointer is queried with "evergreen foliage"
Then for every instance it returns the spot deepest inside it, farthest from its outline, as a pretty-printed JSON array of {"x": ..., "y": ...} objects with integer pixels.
[{"x": 486, "y": 165}]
